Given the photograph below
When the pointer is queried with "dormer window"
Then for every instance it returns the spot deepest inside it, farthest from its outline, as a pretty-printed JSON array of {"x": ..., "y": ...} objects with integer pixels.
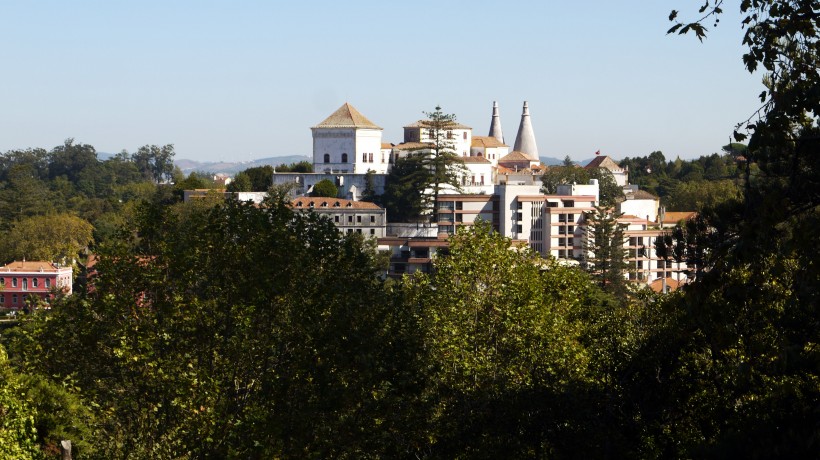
[
  {"x": 298, "y": 204},
  {"x": 349, "y": 205},
  {"x": 324, "y": 204},
  {"x": 310, "y": 204},
  {"x": 336, "y": 204}
]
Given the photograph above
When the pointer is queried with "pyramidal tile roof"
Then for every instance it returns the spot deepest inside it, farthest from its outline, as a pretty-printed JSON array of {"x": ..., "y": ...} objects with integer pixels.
[
  {"x": 603, "y": 161},
  {"x": 347, "y": 117},
  {"x": 486, "y": 141}
]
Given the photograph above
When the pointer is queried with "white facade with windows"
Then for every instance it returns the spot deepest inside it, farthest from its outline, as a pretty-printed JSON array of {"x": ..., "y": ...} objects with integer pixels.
[{"x": 347, "y": 142}]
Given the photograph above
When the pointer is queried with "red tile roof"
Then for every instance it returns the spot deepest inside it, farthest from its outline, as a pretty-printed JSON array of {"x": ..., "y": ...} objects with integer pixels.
[
  {"x": 331, "y": 203},
  {"x": 29, "y": 266}
]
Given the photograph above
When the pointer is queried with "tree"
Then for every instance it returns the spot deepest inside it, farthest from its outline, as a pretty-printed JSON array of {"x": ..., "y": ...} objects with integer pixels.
[
  {"x": 73, "y": 161},
  {"x": 261, "y": 177},
  {"x": 58, "y": 237},
  {"x": 369, "y": 192},
  {"x": 404, "y": 190},
  {"x": 240, "y": 183},
  {"x": 699, "y": 195},
  {"x": 325, "y": 188},
  {"x": 608, "y": 189},
  {"x": 604, "y": 248},
  {"x": 509, "y": 372},
  {"x": 154, "y": 162},
  {"x": 565, "y": 174},
  {"x": 748, "y": 322}
]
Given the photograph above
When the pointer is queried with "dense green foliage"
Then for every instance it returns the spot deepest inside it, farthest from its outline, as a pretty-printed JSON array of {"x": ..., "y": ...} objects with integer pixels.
[
  {"x": 325, "y": 188},
  {"x": 689, "y": 185}
]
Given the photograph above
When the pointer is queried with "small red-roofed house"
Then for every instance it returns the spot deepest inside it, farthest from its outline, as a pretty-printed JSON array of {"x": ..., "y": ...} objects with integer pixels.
[{"x": 20, "y": 279}]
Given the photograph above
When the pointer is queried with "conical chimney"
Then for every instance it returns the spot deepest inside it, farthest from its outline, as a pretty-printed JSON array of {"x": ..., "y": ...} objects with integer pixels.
[
  {"x": 495, "y": 125},
  {"x": 525, "y": 140}
]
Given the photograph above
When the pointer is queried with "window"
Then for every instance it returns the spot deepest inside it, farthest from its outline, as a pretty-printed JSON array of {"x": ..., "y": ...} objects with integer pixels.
[
  {"x": 571, "y": 217},
  {"x": 358, "y": 219},
  {"x": 327, "y": 158},
  {"x": 336, "y": 219},
  {"x": 364, "y": 157},
  {"x": 349, "y": 230},
  {"x": 518, "y": 228},
  {"x": 382, "y": 157},
  {"x": 359, "y": 231},
  {"x": 344, "y": 158},
  {"x": 2, "y": 299},
  {"x": 465, "y": 135},
  {"x": 449, "y": 134},
  {"x": 25, "y": 284},
  {"x": 48, "y": 282},
  {"x": 35, "y": 282},
  {"x": 2, "y": 281},
  {"x": 372, "y": 219},
  {"x": 562, "y": 241},
  {"x": 349, "y": 219},
  {"x": 570, "y": 229},
  {"x": 520, "y": 205},
  {"x": 372, "y": 231},
  {"x": 562, "y": 254},
  {"x": 14, "y": 282},
  {"x": 14, "y": 299},
  {"x": 569, "y": 203},
  {"x": 370, "y": 157}
]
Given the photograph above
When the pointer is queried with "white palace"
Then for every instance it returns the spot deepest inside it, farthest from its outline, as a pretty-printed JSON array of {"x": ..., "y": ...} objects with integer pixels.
[{"x": 501, "y": 185}]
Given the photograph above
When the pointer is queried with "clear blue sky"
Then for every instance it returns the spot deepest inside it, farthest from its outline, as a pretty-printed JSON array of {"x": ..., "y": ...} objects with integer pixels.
[{"x": 247, "y": 79}]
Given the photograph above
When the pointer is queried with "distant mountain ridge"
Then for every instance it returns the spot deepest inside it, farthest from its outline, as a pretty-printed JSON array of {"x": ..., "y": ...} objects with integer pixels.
[
  {"x": 228, "y": 167},
  {"x": 233, "y": 167}
]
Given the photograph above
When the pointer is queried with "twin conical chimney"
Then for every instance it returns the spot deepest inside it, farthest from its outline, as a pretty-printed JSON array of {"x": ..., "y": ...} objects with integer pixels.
[{"x": 525, "y": 140}]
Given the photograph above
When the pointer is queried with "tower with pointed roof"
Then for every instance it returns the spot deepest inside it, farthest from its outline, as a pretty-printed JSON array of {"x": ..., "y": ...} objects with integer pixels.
[
  {"x": 525, "y": 140},
  {"x": 495, "y": 125},
  {"x": 347, "y": 142}
]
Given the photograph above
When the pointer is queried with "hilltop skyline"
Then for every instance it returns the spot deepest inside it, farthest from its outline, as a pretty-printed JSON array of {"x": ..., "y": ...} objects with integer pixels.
[{"x": 237, "y": 83}]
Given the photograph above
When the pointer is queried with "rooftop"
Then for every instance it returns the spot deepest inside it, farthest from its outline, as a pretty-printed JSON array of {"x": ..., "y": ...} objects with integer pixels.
[
  {"x": 31, "y": 266},
  {"x": 347, "y": 117},
  {"x": 324, "y": 202}
]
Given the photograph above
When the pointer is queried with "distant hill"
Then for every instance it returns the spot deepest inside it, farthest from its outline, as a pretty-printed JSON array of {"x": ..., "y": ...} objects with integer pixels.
[
  {"x": 188, "y": 166},
  {"x": 550, "y": 161}
]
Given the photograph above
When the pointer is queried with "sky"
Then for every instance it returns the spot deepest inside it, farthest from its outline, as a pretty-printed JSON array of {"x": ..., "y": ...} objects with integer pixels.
[{"x": 242, "y": 80}]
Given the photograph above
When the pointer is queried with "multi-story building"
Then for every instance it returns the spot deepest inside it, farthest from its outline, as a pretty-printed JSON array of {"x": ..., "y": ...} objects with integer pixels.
[
  {"x": 347, "y": 215},
  {"x": 457, "y": 210},
  {"x": 21, "y": 279}
]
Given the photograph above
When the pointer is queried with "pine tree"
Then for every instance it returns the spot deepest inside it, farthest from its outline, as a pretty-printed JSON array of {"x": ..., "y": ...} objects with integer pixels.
[{"x": 604, "y": 249}]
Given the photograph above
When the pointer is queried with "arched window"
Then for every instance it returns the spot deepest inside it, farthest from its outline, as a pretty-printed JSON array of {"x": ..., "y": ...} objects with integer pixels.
[
  {"x": 327, "y": 158},
  {"x": 344, "y": 158}
]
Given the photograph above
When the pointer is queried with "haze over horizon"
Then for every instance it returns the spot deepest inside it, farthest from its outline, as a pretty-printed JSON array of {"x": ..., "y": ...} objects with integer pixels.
[{"x": 238, "y": 82}]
